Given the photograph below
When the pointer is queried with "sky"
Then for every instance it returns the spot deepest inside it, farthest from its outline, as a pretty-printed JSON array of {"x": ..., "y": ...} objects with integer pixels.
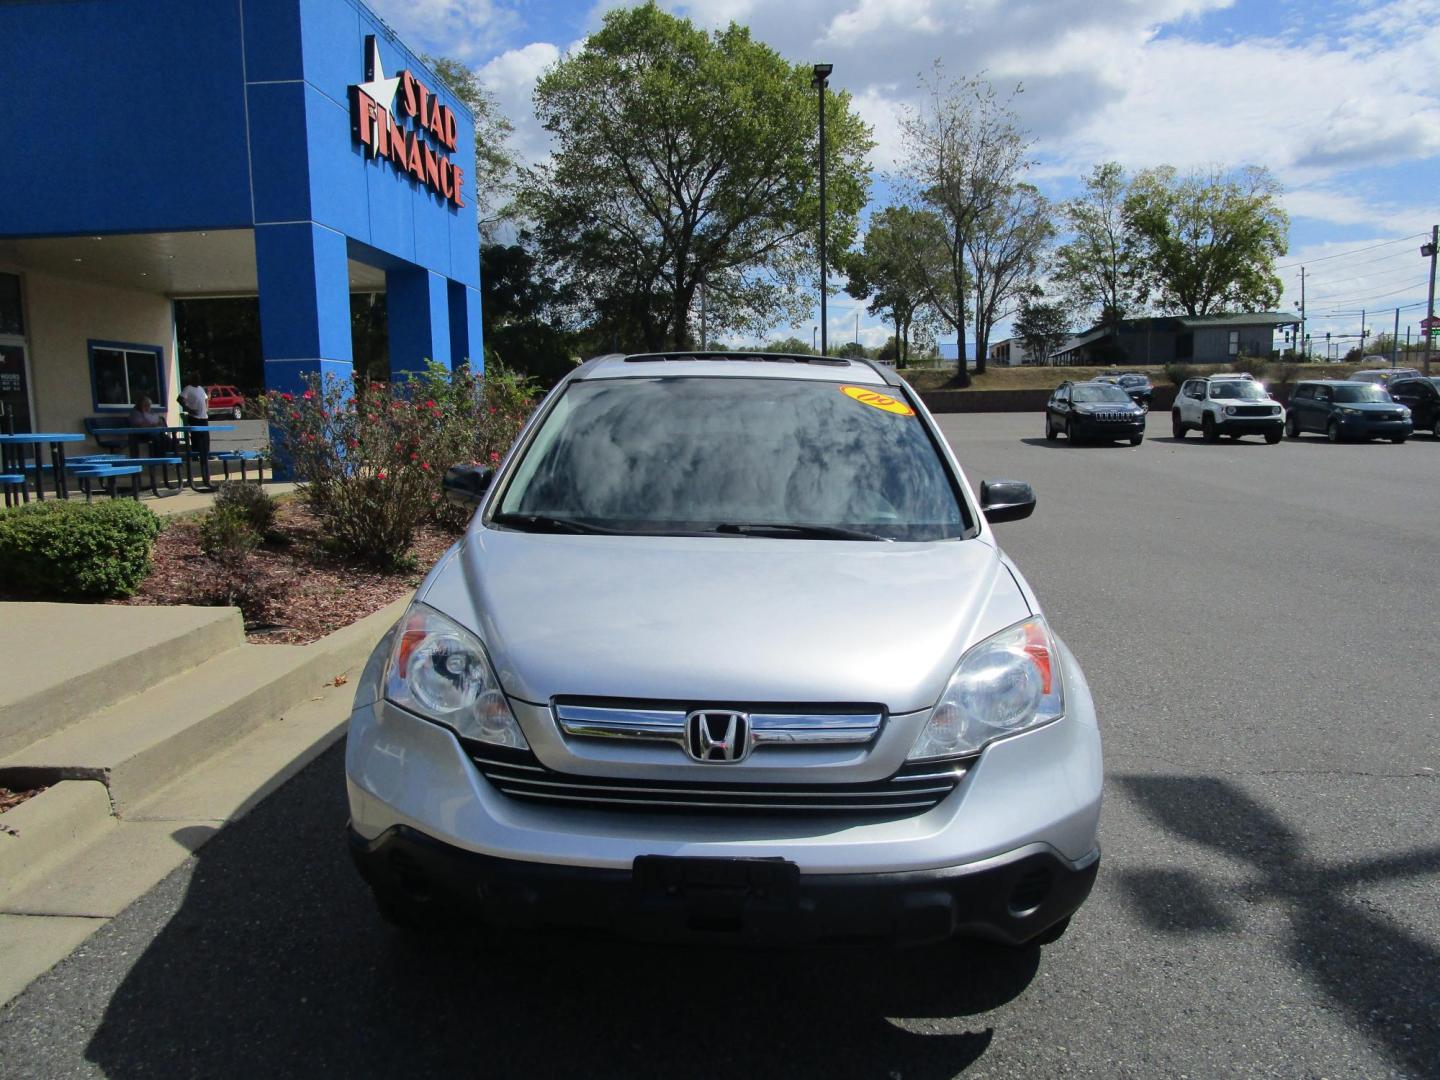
[{"x": 1341, "y": 100}]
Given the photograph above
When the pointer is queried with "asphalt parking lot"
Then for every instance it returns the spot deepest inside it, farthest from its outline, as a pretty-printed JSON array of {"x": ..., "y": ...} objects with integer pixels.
[{"x": 1261, "y": 629}]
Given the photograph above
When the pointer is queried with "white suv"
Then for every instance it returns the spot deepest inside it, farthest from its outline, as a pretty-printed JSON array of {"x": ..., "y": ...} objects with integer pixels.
[{"x": 1231, "y": 405}]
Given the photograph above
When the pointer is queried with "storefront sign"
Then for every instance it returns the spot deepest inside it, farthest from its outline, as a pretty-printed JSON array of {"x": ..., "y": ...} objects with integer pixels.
[{"x": 407, "y": 146}]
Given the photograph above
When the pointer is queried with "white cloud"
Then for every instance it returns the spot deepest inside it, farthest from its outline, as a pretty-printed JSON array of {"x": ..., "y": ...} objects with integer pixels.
[
  {"x": 464, "y": 29},
  {"x": 511, "y": 78}
]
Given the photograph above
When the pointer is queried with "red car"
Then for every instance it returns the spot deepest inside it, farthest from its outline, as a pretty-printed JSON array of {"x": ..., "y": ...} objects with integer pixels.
[{"x": 225, "y": 401}]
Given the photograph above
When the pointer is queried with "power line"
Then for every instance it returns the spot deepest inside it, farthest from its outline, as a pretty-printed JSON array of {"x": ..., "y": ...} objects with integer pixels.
[
  {"x": 1379, "y": 296},
  {"x": 1382, "y": 258},
  {"x": 1356, "y": 251},
  {"x": 1363, "y": 282},
  {"x": 1357, "y": 312}
]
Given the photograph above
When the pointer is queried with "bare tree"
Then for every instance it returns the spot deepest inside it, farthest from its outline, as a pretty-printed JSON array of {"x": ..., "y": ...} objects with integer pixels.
[
  {"x": 963, "y": 149},
  {"x": 1006, "y": 247},
  {"x": 1099, "y": 268}
]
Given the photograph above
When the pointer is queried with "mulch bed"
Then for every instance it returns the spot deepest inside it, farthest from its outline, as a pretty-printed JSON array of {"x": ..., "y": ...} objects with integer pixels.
[
  {"x": 11, "y": 799},
  {"x": 305, "y": 591}
]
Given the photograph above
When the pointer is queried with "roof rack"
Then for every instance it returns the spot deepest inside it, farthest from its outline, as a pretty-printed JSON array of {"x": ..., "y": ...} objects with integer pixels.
[{"x": 769, "y": 358}]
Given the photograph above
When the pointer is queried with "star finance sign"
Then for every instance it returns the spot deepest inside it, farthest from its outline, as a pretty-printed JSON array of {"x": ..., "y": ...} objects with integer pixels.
[{"x": 374, "y": 125}]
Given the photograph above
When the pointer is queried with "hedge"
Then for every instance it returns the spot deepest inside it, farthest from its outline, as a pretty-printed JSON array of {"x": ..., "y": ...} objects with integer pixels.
[{"x": 76, "y": 550}]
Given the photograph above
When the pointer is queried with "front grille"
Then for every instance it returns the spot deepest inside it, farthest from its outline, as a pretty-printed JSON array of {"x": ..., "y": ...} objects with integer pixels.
[
  {"x": 917, "y": 787},
  {"x": 1254, "y": 410},
  {"x": 1115, "y": 417}
]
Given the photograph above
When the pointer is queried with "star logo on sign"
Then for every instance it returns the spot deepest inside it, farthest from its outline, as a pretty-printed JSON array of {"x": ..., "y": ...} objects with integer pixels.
[{"x": 377, "y": 87}]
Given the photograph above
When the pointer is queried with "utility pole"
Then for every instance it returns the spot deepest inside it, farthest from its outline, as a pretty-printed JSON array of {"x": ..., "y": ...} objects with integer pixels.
[
  {"x": 822, "y": 72},
  {"x": 1395, "y": 341},
  {"x": 1302, "y": 305},
  {"x": 1362, "y": 335},
  {"x": 1429, "y": 325}
]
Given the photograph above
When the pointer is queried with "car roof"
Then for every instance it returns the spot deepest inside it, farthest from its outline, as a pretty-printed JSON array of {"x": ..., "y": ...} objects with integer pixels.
[
  {"x": 1329, "y": 382},
  {"x": 761, "y": 365},
  {"x": 1242, "y": 375}
]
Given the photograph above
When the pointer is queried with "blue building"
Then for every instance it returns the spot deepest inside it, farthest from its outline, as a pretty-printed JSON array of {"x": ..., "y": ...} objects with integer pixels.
[{"x": 157, "y": 150}]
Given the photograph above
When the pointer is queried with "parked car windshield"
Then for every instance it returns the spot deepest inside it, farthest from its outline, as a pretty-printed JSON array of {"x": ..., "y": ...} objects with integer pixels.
[
  {"x": 1134, "y": 380},
  {"x": 1242, "y": 390},
  {"x": 697, "y": 454},
  {"x": 1361, "y": 393},
  {"x": 1089, "y": 395}
]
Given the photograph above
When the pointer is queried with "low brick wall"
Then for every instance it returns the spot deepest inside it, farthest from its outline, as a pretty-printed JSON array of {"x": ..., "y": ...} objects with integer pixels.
[{"x": 953, "y": 401}]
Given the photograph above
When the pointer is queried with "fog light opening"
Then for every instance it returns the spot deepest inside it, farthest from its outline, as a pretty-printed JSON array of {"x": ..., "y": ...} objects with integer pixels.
[{"x": 1030, "y": 891}]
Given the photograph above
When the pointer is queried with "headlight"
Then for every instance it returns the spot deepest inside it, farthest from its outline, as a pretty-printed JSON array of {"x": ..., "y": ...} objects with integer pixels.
[
  {"x": 1349, "y": 412},
  {"x": 439, "y": 670},
  {"x": 1007, "y": 683},
  {"x": 1229, "y": 410},
  {"x": 1404, "y": 412}
]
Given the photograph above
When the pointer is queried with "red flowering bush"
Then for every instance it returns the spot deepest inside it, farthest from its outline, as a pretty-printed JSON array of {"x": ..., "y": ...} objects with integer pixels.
[{"x": 370, "y": 457}]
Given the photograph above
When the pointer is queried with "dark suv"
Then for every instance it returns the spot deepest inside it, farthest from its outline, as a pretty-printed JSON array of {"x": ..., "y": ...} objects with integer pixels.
[
  {"x": 1421, "y": 395},
  {"x": 1093, "y": 410},
  {"x": 1138, "y": 386},
  {"x": 1346, "y": 410}
]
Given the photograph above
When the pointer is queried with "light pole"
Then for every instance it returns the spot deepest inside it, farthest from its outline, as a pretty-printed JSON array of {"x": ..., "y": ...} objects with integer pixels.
[{"x": 822, "y": 72}]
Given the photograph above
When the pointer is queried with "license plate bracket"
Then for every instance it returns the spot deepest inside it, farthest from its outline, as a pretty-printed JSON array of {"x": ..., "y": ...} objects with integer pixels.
[{"x": 773, "y": 879}]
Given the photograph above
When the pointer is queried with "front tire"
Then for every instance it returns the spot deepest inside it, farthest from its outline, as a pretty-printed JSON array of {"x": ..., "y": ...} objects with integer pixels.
[
  {"x": 1398, "y": 440},
  {"x": 1050, "y": 433},
  {"x": 1136, "y": 440},
  {"x": 1207, "y": 429},
  {"x": 1071, "y": 433},
  {"x": 1272, "y": 437},
  {"x": 1292, "y": 426},
  {"x": 1177, "y": 426},
  {"x": 1435, "y": 431},
  {"x": 1332, "y": 431}
]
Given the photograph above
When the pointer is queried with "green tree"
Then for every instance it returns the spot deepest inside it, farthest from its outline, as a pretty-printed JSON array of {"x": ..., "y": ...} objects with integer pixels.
[
  {"x": 1208, "y": 241},
  {"x": 494, "y": 159},
  {"x": 1041, "y": 327},
  {"x": 518, "y": 302},
  {"x": 1006, "y": 247},
  {"x": 683, "y": 156},
  {"x": 789, "y": 345},
  {"x": 903, "y": 247},
  {"x": 1099, "y": 270},
  {"x": 853, "y": 350},
  {"x": 963, "y": 150}
]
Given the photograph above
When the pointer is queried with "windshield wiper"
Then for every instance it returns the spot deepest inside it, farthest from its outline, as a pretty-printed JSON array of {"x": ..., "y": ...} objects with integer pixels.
[
  {"x": 545, "y": 523},
  {"x": 799, "y": 532}
]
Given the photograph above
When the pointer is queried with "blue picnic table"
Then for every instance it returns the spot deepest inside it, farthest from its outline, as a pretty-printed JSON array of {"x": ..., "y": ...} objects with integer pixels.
[
  {"x": 56, "y": 441},
  {"x": 134, "y": 435}
]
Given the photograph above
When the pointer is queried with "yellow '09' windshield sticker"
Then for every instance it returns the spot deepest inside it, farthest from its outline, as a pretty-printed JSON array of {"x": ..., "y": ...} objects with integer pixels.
[{"x": 883, "y": 402}]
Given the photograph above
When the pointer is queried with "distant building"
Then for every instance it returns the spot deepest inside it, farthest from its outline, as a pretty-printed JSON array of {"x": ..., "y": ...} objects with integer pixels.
[
  {"x": 1200, "y": 339},
  {"x": 1010, "y": 353}
]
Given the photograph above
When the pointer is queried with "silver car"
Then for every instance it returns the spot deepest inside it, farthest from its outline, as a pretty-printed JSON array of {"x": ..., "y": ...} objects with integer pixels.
[{"x": 729, "y": 652}]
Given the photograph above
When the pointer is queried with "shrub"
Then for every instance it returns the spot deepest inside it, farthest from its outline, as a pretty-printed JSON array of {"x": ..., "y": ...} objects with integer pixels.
[
  {"x": 227, "y": 535},
  {"x": 251, "y": 500},
  {"x": 370, "y": 458},
  {"x": 1177, "y": 373},
  {"x": 70, "y": 549}
]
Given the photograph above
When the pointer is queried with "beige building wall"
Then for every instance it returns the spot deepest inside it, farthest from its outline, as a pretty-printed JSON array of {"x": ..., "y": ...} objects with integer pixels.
[{"x": 62, "y": 316}]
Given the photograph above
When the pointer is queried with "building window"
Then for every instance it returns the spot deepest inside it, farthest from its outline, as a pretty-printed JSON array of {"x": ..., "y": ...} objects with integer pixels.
[
  {"x": 12, "y": 319},
  {"x": 122, "y": 374},
  {"x": 1234, "y": 342}
]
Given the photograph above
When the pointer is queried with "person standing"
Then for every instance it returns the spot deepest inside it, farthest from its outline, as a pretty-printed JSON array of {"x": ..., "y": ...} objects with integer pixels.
[{"x": 196, "y": 405}]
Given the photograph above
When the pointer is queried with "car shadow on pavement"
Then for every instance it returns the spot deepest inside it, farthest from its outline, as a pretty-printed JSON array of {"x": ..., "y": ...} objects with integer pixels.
[
  {"x": 1084, "y": 444},
  {"x": 276, "y": 964},
  {"x": 1381, "y": 978}
]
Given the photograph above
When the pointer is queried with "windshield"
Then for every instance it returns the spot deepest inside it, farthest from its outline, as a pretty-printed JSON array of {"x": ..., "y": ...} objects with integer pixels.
[
  {"x": 1099, "y": 393},
  {"x": 687, "y": 455},
  {"x": 1243, "y": 391},
  {"x": 1133, "y": 380},
  {"x": 1361, "y": 393}
]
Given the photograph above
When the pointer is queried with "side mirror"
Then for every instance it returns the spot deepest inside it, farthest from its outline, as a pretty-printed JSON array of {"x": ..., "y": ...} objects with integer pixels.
[
  {"x": 467, "y": 483},
  {"x": 1006, "y": 500}
]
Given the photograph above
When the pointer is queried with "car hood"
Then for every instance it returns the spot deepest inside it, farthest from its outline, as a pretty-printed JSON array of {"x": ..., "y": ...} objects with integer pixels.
[
  {"x": 725, "y": 619},
  {"x": 1371, "y": 406}
]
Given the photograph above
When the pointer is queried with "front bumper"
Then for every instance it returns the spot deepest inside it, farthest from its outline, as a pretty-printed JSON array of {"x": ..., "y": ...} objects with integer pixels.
[
  {"x": 1010, "y": 898},
  {"x": 1358, "y": 426},
  {"x": 1111, "y": 429},
  {"x": 1250, "y": 425}
]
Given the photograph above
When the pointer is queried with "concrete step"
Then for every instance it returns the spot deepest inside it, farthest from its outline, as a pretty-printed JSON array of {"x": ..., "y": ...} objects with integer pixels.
[
  {"x": 137, "y": 745},
  {"x": 62, "y": 662}
]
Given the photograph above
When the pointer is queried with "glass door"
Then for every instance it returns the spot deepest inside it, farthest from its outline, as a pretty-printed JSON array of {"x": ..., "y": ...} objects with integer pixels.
[{"x": 14, "y": 388}]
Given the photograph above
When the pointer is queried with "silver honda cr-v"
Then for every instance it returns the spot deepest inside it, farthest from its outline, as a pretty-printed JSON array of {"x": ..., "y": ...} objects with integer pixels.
[{"x": 729, "y": 652}]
